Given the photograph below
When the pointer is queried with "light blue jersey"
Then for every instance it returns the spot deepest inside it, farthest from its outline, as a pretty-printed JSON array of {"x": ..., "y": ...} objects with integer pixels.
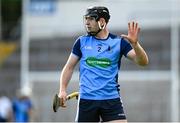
[
  {"x": 21, "y": 108},
  {"x": 100, "y": 61}
]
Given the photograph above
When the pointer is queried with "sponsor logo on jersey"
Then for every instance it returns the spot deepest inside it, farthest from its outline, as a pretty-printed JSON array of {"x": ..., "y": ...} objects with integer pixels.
[{"x": 102, "y": 62}]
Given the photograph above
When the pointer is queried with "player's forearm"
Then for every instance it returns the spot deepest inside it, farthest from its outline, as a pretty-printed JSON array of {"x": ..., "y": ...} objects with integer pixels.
[
  {"x": 65, "y": 77},
  {"x": 141, "y": 56}
]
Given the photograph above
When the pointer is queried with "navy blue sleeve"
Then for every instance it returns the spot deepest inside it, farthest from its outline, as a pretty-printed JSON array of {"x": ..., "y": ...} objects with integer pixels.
[
  {"x": 125, "y": 47},
  {"x": 76, "y": 48}
]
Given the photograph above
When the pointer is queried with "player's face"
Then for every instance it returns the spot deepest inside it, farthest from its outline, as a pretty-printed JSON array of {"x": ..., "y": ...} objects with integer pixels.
[{"x": 91, "y": 24}]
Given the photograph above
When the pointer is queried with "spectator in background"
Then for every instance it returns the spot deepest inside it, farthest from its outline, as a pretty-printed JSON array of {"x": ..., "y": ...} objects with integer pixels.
[
  {"x": 6, "y": 114},
  {"x": 22, "y": 106}
]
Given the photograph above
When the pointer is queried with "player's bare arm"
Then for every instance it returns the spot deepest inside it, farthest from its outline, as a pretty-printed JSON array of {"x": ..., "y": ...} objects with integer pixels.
[
  {"x": 137, "y": 54},
  {"x": 66, "y": 76}
]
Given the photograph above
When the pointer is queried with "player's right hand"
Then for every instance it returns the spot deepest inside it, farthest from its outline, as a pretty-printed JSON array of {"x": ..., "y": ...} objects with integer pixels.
[{"x": 62, "y": 95}]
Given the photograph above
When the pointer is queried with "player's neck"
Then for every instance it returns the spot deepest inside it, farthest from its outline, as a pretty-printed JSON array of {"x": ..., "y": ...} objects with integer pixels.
[{"x": 103, "y": 34}]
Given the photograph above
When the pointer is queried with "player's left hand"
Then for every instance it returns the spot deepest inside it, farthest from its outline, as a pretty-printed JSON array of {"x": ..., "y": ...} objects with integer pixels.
[{"x": 133, "y": 32}]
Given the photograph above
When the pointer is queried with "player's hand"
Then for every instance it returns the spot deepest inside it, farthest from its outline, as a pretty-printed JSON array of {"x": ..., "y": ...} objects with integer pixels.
[
  {"x": 62, "y": 95},
  {"x": 133, "y": 32}
]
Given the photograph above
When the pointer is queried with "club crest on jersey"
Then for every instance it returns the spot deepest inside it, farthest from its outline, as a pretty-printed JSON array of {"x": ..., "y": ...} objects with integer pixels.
[
  {"x": 102, "y": 62},
  {"x": 109, "y": 49}
]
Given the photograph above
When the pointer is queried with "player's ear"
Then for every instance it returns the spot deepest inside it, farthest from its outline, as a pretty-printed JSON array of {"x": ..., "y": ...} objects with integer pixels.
[{"x": 102, "y": 22}]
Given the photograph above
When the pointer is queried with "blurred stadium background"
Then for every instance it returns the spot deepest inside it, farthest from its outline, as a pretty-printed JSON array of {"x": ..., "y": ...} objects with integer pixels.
[{"x": 36, "y": 37}]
